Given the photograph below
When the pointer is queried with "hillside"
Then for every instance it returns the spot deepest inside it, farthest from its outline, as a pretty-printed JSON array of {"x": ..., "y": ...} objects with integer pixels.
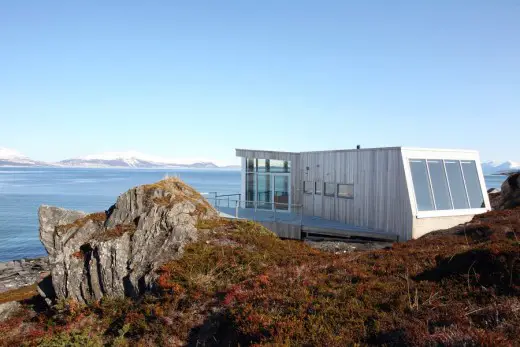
[
  {"x": 497, "y": 168},
  {"x": 238, "y": 284},
  {"x": 132, "y": 159},
  {"x": 10, "y": 157}
]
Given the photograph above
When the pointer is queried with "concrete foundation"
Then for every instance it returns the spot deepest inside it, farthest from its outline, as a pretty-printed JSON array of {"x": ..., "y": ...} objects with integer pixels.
[{"x": 423, "y": 226}]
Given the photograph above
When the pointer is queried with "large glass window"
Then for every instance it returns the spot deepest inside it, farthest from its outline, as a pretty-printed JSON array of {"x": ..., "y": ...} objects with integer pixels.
[
  {"x": 469, "y": 169},
  {"x": 250, "y": 165},
  {"x": 279, "y": 166},
  {"x": 250, "y": 190},
  {"x": 262, "y": 165},
  {"x": 458, "y": 190},
  {"x": 268, "y": 165},
  {"x": 266, "y": 181},
  {"x": 264, "y": 191},
  {"x": 281, "y": 192},
  {"x": 441, "y": 193},
  {"x": 421, "y": 185},
  {"x": 446, "y": 184}
]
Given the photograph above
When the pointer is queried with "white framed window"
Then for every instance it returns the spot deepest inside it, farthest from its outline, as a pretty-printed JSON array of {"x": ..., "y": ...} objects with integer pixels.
[
  {"x": 308, "y": 187},
  {"x": 329, "y": 189},
  {"x": 345, "y": 191},
  {"x": 446, "y": 185}
]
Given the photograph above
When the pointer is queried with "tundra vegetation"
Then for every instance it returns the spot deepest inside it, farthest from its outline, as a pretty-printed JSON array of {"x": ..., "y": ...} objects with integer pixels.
[{"x": 239, "y": 284}]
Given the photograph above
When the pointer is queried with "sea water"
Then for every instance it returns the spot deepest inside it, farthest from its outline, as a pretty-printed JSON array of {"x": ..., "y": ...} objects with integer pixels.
[{"x": 22, "y": 191}]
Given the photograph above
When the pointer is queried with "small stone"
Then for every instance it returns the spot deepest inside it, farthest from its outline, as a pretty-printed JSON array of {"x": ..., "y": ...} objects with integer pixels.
[{"x": 9, "y": 309}]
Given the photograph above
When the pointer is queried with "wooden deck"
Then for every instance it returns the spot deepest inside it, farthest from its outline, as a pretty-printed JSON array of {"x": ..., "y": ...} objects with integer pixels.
[{"x": 292, "y": 225}]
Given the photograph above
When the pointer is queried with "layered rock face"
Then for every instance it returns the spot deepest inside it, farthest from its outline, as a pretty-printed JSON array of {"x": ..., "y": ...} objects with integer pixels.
[
  {"x": 117, "y": 252},
  {"x": 509, "y": 196}
]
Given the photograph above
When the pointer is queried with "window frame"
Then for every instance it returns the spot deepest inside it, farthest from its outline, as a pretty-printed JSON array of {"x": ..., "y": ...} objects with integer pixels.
[
  {"x": 311, "y": 191},
  {"x": 340, "y": 196},
  {"x": 316, "y": 185},
  {"x": 450, "y": 212},
  {"x": 333, "y": 189}
]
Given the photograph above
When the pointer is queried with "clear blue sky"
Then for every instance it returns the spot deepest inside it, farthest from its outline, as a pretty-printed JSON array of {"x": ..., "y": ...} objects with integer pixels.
[{"x": 199, "y": 78}]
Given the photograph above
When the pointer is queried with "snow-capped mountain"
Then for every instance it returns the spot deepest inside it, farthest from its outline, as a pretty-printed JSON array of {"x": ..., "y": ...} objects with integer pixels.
[
  {"x": 495, "y": 168},
  {"x": 132, "y": 159},
  {"x": 10, "y": 157}
]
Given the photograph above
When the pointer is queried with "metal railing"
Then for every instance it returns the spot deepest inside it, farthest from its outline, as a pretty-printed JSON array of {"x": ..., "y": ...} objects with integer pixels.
[{"x": 257, "y": 210}]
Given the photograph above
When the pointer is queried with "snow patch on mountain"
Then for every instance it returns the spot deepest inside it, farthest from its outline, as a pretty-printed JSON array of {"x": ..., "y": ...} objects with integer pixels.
[
  {"x": 11, "y": 157},
  {"x": 134, "y": 159},
  {"x": 7, "y": 153},
  {"x": 493, "y": 167}
]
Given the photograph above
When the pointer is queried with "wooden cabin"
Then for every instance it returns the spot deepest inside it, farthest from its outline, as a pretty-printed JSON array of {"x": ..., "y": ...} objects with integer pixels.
[{"x": 403, "y": 191}]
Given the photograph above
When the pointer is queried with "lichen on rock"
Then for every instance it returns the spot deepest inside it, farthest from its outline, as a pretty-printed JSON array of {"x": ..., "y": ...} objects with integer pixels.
[{"x": 116, "y": 253}]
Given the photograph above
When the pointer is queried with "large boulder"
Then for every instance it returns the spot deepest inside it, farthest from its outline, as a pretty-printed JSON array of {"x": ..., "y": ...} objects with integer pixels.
[
  {"x": 117, "y": 252},
  {"x": 509, "y": 196}
]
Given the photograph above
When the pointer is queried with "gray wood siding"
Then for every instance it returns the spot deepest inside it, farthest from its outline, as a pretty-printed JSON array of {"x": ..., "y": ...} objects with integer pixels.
[{"x": 381, "y": 199}]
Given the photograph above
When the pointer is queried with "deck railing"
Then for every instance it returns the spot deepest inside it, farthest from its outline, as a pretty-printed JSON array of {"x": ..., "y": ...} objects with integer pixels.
[{"x": 257, "y": 210}]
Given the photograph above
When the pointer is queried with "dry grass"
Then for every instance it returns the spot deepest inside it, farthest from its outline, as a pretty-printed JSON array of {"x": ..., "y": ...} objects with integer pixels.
[
  {"x": 118, "y": 231},
  {"x": 98, "y": 217},
  {"x": 240, "y": 284},
  {"x": 19, "y": 294},
  {"x": 177, "y": 192}
]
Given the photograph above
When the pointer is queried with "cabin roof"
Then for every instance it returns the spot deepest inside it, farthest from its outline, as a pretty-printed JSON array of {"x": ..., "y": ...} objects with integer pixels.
[{"x": 418, "y": 149}]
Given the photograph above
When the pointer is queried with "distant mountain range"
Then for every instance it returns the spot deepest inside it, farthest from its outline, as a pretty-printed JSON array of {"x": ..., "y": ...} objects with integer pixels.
[
  {"x": 9, "y": 157},
  {"x": 496, "y": 168}
]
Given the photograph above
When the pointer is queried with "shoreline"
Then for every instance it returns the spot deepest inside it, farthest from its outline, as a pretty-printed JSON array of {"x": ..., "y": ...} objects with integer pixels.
[{"x": 23, "y": 272}]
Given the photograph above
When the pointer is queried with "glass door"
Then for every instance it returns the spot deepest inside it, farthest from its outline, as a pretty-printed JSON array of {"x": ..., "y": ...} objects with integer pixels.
[
  {"x": 264, "y": 192},
  {"x": 281, "y": 192}
]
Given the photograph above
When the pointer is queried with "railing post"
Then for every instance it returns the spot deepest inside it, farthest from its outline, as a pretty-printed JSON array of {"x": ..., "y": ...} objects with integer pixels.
[{"x": 236, "y": 209}]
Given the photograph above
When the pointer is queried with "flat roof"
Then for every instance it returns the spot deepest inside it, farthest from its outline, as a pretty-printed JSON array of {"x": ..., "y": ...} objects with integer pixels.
[{"x": 364, "y": 149}]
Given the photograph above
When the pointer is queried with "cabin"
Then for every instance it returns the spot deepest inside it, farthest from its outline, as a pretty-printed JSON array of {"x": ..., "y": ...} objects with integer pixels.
[{"x": 399, "y": 192}]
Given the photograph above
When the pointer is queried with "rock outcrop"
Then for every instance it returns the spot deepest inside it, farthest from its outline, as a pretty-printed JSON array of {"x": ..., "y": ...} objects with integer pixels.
[
  {"x": 115, "y": 253},
  {"x": 509, "y": 196},
  {"x": 15, "y": 274}
]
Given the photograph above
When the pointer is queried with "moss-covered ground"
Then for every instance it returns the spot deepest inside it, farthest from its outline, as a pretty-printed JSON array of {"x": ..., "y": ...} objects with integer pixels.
[{"x": 241, "y": 285}]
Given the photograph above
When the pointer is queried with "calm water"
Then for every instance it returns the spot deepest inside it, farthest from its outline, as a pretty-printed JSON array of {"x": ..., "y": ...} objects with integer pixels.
[{"x": 22, "y": 191}]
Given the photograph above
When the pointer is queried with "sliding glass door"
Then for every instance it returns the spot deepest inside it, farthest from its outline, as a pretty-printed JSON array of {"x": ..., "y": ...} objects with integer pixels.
[
  {"x": 264, "y": 192},
  {"x": 281, "y": 192}
]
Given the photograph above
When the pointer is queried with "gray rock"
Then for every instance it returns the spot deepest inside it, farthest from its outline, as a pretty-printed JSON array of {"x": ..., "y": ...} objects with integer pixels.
[
  {"x": 118, "y": 252},
  {"x": 50, "y": 218},
  {"x": 509, "y": 195},
  {"x": 20, "y": 273},
  {"x": 510, "y": 191},
  {"x": 9, "y": 309}
]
